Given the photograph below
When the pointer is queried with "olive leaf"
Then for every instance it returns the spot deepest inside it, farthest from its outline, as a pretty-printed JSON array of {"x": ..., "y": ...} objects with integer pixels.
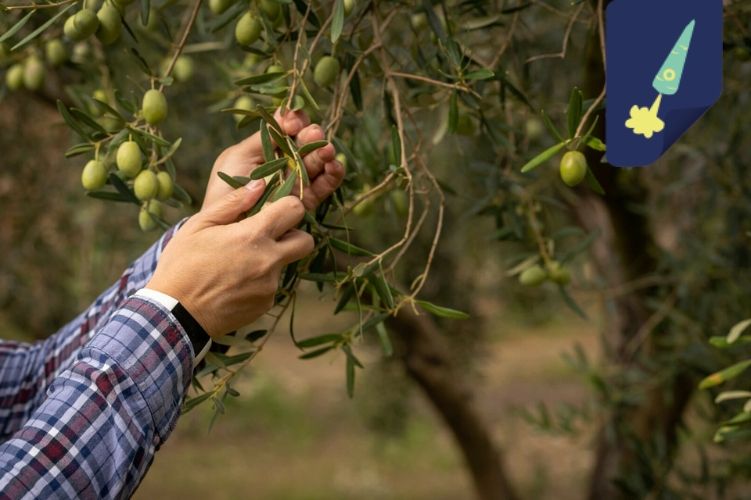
[
  {"x": 444, "y": 312},
  {"x": 543, "y": 157},
  {"x": 311, "y": 146},
  {"x": 268, "y": 168},
  {"x": 20, "y": 24},
  {"x": 41, "y": 28},
  {"x": 337, "y": 23}
]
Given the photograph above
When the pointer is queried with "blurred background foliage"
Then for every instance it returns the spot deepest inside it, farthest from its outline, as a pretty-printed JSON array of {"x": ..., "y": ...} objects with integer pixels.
[{"x": 601, "y": 406}]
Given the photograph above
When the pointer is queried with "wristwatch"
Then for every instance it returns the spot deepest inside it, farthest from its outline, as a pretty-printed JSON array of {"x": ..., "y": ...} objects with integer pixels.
[{"x": 199, "y": 339}]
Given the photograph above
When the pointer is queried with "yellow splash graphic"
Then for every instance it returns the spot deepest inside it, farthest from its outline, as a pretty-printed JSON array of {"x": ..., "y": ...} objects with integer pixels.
[{"x": 644, "y": 121}]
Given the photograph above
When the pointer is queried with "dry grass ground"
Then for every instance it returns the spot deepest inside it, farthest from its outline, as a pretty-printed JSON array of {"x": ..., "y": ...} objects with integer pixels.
[{"x": 293, "y": 433}]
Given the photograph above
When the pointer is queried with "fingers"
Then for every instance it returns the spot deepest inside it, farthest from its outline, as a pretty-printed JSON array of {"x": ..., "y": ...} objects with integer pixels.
[
  {"x": 324, "y": 185},
  {"x": 279, "y": 217},
  {"x": 315, "y": 161},
  {"x": 231, "y": 206},
  {"x": 292, "y": 122},
  {"x": 294, "y": 245}
]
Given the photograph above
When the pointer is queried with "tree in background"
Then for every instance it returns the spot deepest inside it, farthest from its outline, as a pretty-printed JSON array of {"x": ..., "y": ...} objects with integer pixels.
[{"x": 448, "y": 115}]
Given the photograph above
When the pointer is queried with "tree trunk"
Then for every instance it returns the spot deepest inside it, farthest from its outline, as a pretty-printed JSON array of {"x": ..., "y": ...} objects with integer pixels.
[
  {"x": 627, "y": 251},
  {"x": 428, "y": 362}
]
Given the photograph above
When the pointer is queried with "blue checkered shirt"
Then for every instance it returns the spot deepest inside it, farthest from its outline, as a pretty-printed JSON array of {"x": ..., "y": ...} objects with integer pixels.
[{"x": 83, "y": 412}]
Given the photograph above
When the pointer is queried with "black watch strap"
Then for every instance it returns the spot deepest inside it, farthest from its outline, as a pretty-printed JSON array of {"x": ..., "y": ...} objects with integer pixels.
[{"x": 197, "y": 335}]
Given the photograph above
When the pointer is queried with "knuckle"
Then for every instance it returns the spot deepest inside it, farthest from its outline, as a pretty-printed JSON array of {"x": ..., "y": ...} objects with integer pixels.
[{"x": 295, "y": 206}]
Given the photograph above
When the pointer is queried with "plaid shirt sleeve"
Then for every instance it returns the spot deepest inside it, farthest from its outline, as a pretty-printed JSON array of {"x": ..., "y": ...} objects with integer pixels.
[
  {"x": 26, "y": 370},
  {"x": 95, "y": 434}
]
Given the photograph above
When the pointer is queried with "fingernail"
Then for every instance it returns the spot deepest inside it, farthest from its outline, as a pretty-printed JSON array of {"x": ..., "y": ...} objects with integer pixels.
[{"x": 254, "y": 185}]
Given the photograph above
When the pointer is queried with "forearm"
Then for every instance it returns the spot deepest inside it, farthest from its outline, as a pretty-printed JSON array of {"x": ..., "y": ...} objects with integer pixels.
[
  {"x": 95, "y": 434},
  {"x": 27, "y": 369}
]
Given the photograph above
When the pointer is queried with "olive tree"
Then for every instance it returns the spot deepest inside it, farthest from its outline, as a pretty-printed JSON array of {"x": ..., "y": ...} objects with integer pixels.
[{"x": 520, "y": 88}]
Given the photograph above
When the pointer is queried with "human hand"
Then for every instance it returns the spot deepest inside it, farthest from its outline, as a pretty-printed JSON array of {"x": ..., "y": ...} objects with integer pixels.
[
  {"x": 225, "y": 272},
  {"x": 324, "y": 172}
]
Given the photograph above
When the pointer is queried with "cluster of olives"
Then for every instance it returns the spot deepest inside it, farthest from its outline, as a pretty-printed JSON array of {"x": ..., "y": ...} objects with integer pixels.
[
  {"x": 149, "y": 186},
  {"x": 104, "y": 21},
  {"x": 553, "y": 271}
]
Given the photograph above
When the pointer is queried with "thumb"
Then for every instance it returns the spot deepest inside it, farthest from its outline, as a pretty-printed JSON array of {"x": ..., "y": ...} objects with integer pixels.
[{"x": 229, "y": 208}]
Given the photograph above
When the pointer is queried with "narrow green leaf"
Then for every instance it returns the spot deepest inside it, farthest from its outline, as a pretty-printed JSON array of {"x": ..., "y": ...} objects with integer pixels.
[
  {"x": 230, "y": 180},
  {"x": 307, "y": 95},
  {"x": 737, "y": 330},
  {"x": 725, "y": 375},
  {"x": 13, "y": 30},
  {"x": 444, "y": 312},
  {"x": 123, "y": 189},
  {"x": 281, "y": 142},
  {"x": 551, "y": 127},
  {"x": 382, "y": 289},
  {"x": 327, "y": 338},
  {"x": 79, "y": 149},
  {"x": 574, "y": 113},
  {"x": 731, "y": 395},
  {"x": 269, "y": 119},
  {"x": 396, "y": 146},
  {"x": 596, "y": 144},
  {"x": 317, "y": 352},
  {"x": 40, "y": 29},
  {"x": 191, "y": 403},
  {"x": 543, "y": 157},
  {"x": 349, "y": 248},
  {"x": 593, "y": 183},
  {"x": 285, "y": 189},
  {"x": 268, "y": 168},
  {"x": 350, "y": 372},
  {"x": 70, "y": 120},
  {"x": 337, "y": 23},
  {"x": 270, "y": 187},
  {"x": 383, "y": 336},
  {"x": 480, "y": 74},
  {"x": 268, "y": 147},
  {"x": 109, "y": 196},
  {"x": 311, "y": 146},
  {"x": 172, "y": 150}
]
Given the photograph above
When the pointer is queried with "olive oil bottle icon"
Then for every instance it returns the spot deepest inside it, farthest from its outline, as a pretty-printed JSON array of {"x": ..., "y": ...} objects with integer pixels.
[{"x": 646, "y": 121}]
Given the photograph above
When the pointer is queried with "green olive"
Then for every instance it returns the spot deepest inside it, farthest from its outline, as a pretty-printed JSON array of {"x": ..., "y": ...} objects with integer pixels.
[
  {"x": 534, "y": 128},
  {"x": 145, "y": 220},
  {"x": 55, "y": 52},
  {"x": 365, "y": 207},
  {"x": 129, "y": 158},
  {"x": 94, "y": 175},
  {"x": 92, "y": 4},
  {"x": 348, "y": 6},
  {"x": 146, "y": 185},
  {"x": 70, "y": 30},
  {"x": 247, "y": 29},
  {"x": 341, "y": 158},
  {"x": 183, "y": 69},
  {"x": 81, "y": 52},
  {"x": 533, "y": 276},
  {"x": 122, "y": 3},
  {"x": 166, "y": 186},
  {"x": 33, "y": 73},
  {"x": 110, "y": 123},
  {"x": 154, "y": 107},
  {"x": 251, "y": 60},
  {"x": 242, "y": 102},
  {"x": 219, "y": 6},
  {"x": 14, "y": 77},
  {"x": 271, "y": 8},
  {"x": 418, "y": 21},
  {"x": 155, "y": 207},
  {"x": 573, "y": 168},
  {"x": 100, "y": 95},
  {"x": 559, "y": 273},
  {"x": 275, "y": 68},
  {"x": 326, "y": 71},
  {"x": 86, "y": 23},
  {"x": 110, "y": 25}
]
